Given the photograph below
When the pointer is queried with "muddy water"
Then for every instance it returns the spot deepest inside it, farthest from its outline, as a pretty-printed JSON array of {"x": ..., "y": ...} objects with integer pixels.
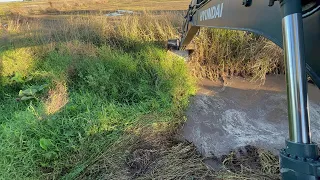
[{"x": 230, "y": 115}]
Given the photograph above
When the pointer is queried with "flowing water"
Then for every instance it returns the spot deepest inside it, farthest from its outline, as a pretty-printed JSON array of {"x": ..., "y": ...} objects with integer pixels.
[{"x": 230, "y": 115}]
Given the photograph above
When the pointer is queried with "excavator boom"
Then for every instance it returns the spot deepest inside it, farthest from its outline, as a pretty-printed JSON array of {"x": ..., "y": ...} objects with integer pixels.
[{"x": 262, "y": 17}]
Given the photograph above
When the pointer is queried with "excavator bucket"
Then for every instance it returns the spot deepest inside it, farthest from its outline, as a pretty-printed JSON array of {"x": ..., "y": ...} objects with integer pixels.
[
  {"x": 173, "y": 47},
  {"x": 173, "y": 44}
]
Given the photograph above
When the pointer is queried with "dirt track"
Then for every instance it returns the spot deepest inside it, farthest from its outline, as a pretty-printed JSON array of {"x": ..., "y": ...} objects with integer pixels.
[{"x": 225, "y": 117}]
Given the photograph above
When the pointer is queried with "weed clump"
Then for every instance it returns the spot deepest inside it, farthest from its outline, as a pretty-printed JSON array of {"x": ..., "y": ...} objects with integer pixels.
[{"x": 250, "y": 163}]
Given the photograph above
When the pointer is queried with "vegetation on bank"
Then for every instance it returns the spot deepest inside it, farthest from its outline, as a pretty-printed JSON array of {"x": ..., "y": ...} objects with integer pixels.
[
  {"x": 70, "y": 91},
  {"x": 223, "y": 53},
  {"x": 92, "y": 97}
]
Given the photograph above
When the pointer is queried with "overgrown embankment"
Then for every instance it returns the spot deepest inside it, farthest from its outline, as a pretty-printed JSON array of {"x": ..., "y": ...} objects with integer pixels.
[
  {"x": 94, "y": 97},
  {"x": 72, "y": 88}
]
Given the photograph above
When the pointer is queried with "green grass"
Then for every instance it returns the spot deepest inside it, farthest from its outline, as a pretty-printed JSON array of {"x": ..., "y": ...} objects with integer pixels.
[{"x": 88, "y": 103}]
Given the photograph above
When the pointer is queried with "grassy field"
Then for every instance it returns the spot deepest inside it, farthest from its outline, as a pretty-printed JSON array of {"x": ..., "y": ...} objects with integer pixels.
[
  {"x": 44, "y": 7},
  {"x": 85, "y": 96}
]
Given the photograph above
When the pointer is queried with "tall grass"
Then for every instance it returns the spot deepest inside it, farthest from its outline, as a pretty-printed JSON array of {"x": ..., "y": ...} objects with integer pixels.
[{"x": 220, "y": 53}]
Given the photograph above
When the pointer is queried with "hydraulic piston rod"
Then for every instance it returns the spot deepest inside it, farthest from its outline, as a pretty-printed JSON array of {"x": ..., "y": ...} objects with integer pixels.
[
  {"x": 299, "y": 126},
  {"x": 299, "y": 160}
]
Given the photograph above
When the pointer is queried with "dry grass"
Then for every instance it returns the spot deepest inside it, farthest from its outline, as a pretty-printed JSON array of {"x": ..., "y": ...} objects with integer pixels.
[
  {"x": 143, "y": 157},
  {"x": 250, "y": 163},
  {"x": 160, "y": 155},
  {"x": 57, "y": 98},
  {"x": 96, "y": 29},
  {"x": 220, "y": 53}
]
